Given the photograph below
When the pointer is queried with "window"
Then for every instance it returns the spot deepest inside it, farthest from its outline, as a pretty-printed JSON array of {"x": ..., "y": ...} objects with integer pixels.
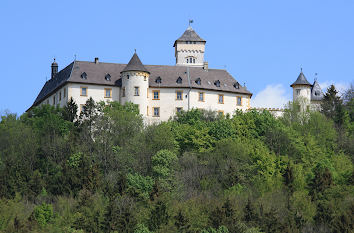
[
  {"x": 317, "y": 93},
  {"x": 193, "y": 60},
  {"x": 190, "y": 60},
  {"x": 123, "y": 92},
  {"x": 297, "y": 91},
  {"x": 136, "y": 91},
  {"x": 179, "y": 109},
  {"x": 53, "y": 100},
  {"x": 147, "y": 110},
  {"x": 156, "y": 112},
  {"x": 239, "y": 101},
  {"x": 179, "y": 80},
  {"x": 237, "y": 85},
  {"x": 179, "y": 95},
  {"x": 198, "y": 81},
  {"x": 108, "y": 77},
  {"x": 64, "y": 92},
  {"x": 84, "y": 75},
  {"x": 220, "y": 113},
  {"x": 221, "y": 99},
  {"x": 217, "y": 83},
  {"x": 60, "y": 96},
  {"x": 201, "y": 96},
  {"x": 108, "y": 93},
  {"x": 83, "y": 91},
  {"x": 156, "y": 95},
  {"x": 128, "y": 76},
  {"x": 158, "y": 80}
]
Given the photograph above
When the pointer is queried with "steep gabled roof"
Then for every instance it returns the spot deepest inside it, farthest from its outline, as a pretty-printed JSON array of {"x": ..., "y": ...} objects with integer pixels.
[
  {"x": 301, "y": 80},
  {"x": 316, "y": 91},
  {"x": 59, "y": 79},
  {"x": 96, "y": 73},
  {"x": 135, "y": 65},
  {"x": 189, "y": 35}
]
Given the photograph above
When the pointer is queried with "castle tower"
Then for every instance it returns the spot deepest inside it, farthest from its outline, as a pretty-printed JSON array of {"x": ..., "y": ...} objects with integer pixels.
[
  {"x": 189, "y": 49},
  {"x": 302, "y": 90},
  {"x": 135, "y": 84},
  {"x": 54, "y": 67}
]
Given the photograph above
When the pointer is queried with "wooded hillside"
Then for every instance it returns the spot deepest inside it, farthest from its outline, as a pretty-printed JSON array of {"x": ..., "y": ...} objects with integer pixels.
[{"x": 106, "y": 172}]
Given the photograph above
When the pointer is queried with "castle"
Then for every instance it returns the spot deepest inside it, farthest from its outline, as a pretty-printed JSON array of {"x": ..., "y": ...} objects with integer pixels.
[{"x": 160, "y": 91}]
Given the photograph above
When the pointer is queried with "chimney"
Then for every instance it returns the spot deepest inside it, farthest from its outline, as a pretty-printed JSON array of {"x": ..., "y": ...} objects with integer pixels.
[
  {"x": 205, "y": 65},
  {"x": 96, "y": 60},
  {"x": 54, "y": 69}
]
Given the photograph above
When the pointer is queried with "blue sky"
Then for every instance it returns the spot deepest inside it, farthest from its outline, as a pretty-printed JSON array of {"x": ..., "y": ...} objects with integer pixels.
[{"x": 261, "y": 43}]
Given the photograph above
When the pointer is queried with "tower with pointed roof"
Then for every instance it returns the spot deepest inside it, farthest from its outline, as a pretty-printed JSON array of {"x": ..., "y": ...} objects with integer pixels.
[
  {"x": 309, "y": 96},
  {"x": 189, "y": 49},
  {"x": 135, "y": 84}
]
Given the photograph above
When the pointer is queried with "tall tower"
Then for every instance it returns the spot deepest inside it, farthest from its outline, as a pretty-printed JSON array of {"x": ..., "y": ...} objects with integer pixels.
[
  {"x": 135, "y": 84},
  {"x": 189, "y": 49},
  {"x": 54, "y": 67},
  {"x": 302, "y": 90}
]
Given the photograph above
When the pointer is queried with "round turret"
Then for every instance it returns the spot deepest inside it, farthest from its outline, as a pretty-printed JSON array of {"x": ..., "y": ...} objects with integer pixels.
[
  {"x": 135, "y": 84},
  {"x": 301, "y": 89}
]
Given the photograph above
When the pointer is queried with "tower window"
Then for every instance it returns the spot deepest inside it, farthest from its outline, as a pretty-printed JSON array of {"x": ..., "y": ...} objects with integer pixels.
[
  {"x": 64, "y": 92},
  {"x": 317, "y": 93},
  {"x": 297, "y": 91},
  {"x": 84, "y": 75},
  {"x": 179, "y": 80},
  {"x": 136, "y": 91},
  {"x": 158, "y": 80},
  {"x": 193, "y": 60},
  {"x": 123, "y": 92},
  {"x": 128, "y": 76},
  {"x": 60, "y": 96}
]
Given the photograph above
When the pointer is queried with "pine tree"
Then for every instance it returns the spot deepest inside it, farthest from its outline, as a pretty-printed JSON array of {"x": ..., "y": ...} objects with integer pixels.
[
  {"x": 70, "y": 110},
  {"x": 332, "y": 106}
]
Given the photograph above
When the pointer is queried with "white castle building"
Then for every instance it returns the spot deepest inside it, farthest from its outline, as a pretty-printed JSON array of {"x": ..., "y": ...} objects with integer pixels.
[{"x": 160, "y": 91}]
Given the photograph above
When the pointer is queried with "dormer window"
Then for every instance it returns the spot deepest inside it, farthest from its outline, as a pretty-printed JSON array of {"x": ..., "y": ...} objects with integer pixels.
[
  {"x": 158, "y": 80},
  {"x": 237, "y": 85},
  {"x": 217, "y": 83},
  {"x": 179, "y": 80},
  {"x": 198, "y": 81},
  {"x": 108, "y": 77},
  {"x": 84, "y": 75}
]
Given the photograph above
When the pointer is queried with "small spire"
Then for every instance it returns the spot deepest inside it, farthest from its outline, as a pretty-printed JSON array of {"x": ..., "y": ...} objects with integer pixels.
[
  {"x": 316, "y": 76},
  {"x": 301, "y": 69},
  {"x": 134, "y": 50},
  {"x": 190, "y": 22}
]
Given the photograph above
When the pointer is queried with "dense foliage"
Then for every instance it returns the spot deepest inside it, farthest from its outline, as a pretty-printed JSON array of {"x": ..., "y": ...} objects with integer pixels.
[{"x": 105, "y": 171}]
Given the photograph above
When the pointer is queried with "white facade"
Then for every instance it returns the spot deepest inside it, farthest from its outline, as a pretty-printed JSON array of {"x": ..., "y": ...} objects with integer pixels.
[{"x": 191, "y": 54}]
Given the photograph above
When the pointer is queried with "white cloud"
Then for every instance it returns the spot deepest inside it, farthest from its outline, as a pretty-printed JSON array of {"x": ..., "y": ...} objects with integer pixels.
[
  {"x": 273, "y": 96},
  {"x": 341, "y": 87}
]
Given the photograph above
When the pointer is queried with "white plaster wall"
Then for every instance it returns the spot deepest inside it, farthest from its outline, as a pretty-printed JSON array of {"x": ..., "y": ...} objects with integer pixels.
[
  {"x": 184, "y": 50},
  {"x": 55, "y": 95},
  {"x": 136, "y": 79},
  {"x": 305, "y": 92},
  {"x": 94, "y": 91},
  {"x": 168, "y": 102}
]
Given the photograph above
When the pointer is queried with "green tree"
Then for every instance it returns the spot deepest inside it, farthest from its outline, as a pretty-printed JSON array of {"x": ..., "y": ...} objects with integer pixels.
[{"x": 159, "y": 216}]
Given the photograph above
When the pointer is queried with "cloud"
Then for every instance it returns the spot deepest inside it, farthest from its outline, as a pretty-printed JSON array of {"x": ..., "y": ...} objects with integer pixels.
[
  {"x": 341, "y": 87},
  {"x": 273, "y": 96}
]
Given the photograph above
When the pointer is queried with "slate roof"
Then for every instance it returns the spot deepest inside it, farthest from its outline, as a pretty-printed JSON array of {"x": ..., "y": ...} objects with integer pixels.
[
  {"x": 316, "y": 91},
  {"x": 301, "y": 80},
  {"x": 189, "y": 35},
  {"x": 135, "y": 64},
  {"x": 96, "y": 73}
]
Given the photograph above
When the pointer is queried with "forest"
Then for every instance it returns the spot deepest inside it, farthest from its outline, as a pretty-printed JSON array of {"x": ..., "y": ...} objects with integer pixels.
[{"x": 104, "y": 170}]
